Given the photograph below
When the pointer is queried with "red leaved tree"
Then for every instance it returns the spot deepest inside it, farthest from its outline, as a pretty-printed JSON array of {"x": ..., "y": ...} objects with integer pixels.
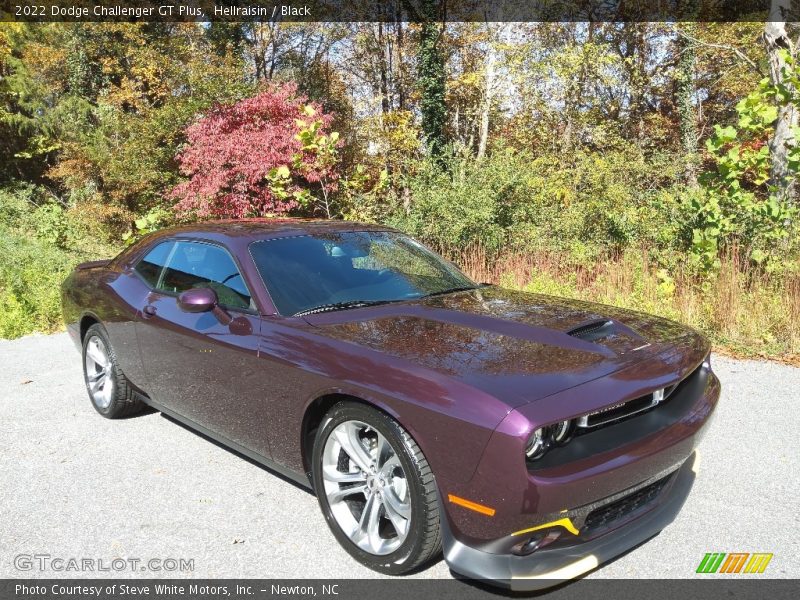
[{"x": 259, "y": 156}]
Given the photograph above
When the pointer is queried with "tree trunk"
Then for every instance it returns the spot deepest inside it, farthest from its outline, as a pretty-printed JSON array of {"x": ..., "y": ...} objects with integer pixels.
[
  {"x": 634, "y": 52},
  {"x": 488, "y": 93},
  {"x": 573, "y": 97},
  {"x": 776, "y": 40},
  {"x": 399, "y": 80},
  {"x": 685, "y": 102},
  {"x": 641, "y": 80},
  {"x": 406, "y": 195},
  {"x": 384, "y": 76}
]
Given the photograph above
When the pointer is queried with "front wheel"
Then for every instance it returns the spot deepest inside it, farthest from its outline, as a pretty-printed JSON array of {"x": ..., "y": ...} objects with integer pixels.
[{"x": 376, "y": 489}]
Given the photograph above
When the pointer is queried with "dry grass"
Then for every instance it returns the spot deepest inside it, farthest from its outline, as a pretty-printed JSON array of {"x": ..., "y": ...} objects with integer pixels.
[{"x": 744, "y": 312}]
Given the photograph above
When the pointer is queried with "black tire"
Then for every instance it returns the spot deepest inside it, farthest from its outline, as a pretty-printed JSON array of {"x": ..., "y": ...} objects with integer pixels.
[
  {"x": 123, "y": 400},
  {"x": 423, "y": 540}
]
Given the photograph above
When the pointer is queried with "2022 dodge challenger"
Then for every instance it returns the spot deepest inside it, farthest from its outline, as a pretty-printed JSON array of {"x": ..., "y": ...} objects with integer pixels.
[{"x": 529, "y": 437}]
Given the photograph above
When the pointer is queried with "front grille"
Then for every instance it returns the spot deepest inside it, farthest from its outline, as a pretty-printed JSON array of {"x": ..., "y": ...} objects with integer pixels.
[
  {"x": 626, "y": 506},
  {"x": 616, "y": 412},
  {"x": 625, "y": 410}
]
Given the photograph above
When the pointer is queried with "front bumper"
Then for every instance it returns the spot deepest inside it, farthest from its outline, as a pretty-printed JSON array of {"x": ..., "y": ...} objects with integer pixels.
[
  {"x": 549, "y": 567},
  {"x": 600, "y": 495}
]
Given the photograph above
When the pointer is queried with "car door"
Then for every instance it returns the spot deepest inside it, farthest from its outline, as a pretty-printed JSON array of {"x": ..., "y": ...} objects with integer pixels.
[{"x": 201, "y": 365}]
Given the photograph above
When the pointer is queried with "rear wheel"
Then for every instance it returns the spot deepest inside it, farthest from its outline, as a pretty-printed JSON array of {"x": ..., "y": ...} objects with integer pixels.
[
  {"x": 109, "y": 390},
  {"x": 376, "y": 489}
]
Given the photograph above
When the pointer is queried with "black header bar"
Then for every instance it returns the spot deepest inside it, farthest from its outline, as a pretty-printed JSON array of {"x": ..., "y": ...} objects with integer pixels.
[{"x": 398, "y": 10}]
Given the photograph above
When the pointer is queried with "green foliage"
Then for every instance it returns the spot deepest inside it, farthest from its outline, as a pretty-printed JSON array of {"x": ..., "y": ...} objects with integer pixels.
[
  {"x": 432, "y": 80},
  {"x": 40, "y": 242},
  {"x": 316, "y": 160},
  {"x": 102, "y": 107},
  {"x": 363, "y": 197},
  {"x": 737, "y": 205},
  {"x": 153, "y": 220},
  {"x": 545, "y": 283},
  {"x": 596, "y": 204},
  {"x": 323, "y": 166},
  {"x": 31, "y": 272},
  {"x": 35, "y": 210},
  {"x": 465, "y": 203}
]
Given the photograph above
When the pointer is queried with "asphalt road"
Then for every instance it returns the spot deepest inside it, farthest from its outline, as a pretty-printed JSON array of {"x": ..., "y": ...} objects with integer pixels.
[{"x": 75, "y": 485}]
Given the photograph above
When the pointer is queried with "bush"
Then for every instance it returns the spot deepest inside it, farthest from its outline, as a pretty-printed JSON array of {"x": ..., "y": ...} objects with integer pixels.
[
  {"x": 588, "y": 206},
  {"x": 256, "y": 157},
  {"x": 31, "y": 272},
  {"x": 40, "y": 242}
]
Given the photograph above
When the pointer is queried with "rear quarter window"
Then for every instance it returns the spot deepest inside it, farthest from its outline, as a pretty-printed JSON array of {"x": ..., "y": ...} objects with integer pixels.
[{"x": 150, "y": 266}]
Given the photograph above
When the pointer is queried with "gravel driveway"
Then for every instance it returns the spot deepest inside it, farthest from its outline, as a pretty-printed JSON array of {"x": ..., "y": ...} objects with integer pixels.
[{"x": 73, "y": 484}]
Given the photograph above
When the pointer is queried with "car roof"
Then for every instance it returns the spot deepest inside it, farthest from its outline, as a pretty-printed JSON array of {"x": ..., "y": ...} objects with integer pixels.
[{"x": 265, "y": 227}]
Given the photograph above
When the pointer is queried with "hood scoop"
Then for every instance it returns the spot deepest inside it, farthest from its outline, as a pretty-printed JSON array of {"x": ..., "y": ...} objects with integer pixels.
[
  {"x": 593, "y": 331},
  {"x": 611, "y": 334}
]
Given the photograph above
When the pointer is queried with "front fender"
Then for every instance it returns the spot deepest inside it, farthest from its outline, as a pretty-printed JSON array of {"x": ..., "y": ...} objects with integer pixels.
[{"x": 449, "y": 420}]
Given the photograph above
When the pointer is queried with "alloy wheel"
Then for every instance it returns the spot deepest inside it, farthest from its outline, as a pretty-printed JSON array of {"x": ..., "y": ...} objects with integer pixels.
[
  {"x": 99, "y": 372},
  {"x": 366, "y": 487}
]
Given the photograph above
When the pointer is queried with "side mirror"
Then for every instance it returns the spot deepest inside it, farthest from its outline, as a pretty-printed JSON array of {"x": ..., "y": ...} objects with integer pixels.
[{"x": 197, "y": 300}]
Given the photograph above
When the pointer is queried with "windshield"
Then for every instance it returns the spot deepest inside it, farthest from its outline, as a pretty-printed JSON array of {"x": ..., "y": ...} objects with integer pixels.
[{"x": 347, "y": 269}]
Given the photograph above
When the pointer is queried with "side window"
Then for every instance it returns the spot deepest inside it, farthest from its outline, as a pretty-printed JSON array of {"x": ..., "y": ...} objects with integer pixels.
[
  {"x": 150, "y": 266},
  {"x": 195, "y": 264}
]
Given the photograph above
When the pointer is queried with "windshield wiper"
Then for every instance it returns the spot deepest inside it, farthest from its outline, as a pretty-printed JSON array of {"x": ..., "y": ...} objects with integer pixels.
[
  {"x": 451, "y": 291},
  {"x": 341, "y": 306},
  {"x": 362, "y": 303}
]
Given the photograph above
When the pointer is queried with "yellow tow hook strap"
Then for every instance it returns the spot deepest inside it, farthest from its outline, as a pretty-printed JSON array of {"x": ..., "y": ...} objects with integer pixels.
[{"x": 566, "y": 523}]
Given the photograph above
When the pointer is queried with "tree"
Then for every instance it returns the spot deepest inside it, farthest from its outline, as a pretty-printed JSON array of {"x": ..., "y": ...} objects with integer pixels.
[
  {"x": 488, "y": 94},
  {"x": 97, "y": 110},
  {"x": 685, "y": 93},
  {"x": 256, "y": 157},
  {"x": 740, "y": 205},
  {"x": 779, "y": 48},
  {"x": 432, "y": 81}
]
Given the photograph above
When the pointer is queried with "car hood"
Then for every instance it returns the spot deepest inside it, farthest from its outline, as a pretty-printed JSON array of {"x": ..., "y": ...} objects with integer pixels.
[{"x": 516, "y": 346}]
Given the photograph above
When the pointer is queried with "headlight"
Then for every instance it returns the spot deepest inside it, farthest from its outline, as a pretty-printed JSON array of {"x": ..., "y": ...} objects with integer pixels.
[
  {"x": 545, "y": 437},
  {"x": 562, "y": 432},
  {"x": 537, "y": 445}
]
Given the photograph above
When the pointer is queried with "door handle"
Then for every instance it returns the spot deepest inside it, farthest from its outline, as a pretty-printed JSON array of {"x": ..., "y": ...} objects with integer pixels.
[{"x": 149, "y": 311}]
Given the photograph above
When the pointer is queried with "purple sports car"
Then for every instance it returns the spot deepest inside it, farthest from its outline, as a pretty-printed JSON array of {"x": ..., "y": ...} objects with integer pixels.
[{"x": 530, "y": 438}]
